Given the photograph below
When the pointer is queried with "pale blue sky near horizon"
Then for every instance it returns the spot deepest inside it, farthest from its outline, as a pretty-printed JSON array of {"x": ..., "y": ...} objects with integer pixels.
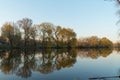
[{"x": 86, "y": 17}]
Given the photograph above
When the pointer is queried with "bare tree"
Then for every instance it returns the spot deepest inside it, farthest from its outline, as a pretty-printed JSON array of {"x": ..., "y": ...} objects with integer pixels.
[{"x": 25, "y": 24}]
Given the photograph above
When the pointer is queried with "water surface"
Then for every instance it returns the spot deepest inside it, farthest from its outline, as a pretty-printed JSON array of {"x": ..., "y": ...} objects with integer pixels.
[{"x": 88, "y": 64}]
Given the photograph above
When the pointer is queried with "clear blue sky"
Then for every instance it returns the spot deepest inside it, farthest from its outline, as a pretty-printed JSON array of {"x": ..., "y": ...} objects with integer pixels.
[{"x": 86, "y": 17}]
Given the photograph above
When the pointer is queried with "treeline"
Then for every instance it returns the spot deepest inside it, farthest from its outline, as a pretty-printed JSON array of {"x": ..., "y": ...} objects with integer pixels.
[
  {"x": 24, "y": 34},
  {"x": 94, "y": 42}
]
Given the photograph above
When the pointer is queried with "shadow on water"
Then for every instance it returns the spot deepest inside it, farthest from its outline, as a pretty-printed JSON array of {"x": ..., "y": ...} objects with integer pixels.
[{"x": 23, "y": 63}]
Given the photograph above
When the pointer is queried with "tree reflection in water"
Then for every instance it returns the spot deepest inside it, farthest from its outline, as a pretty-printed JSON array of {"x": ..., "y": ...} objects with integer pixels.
[
  {"x": 23, "y": 62},
  {"x": 94, "y": 53}
]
